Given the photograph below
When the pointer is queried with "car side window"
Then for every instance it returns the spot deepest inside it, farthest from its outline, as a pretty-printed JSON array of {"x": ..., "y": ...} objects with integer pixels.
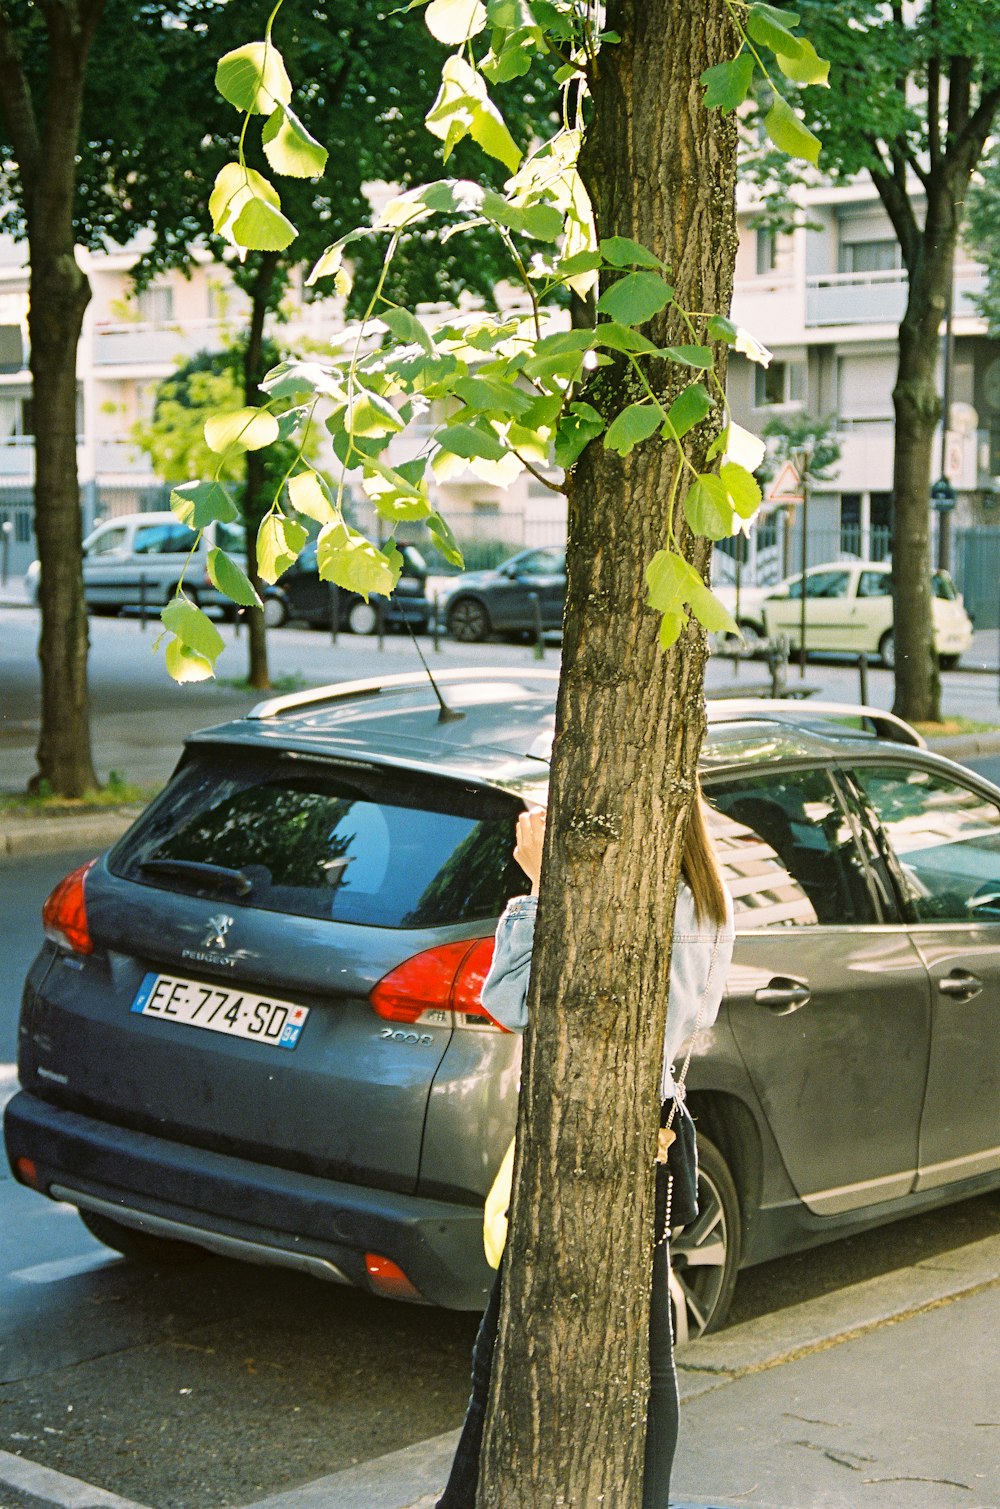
[
  {"x": 542, "y": 563},
  {"x": 827, "y": 584},
  {"x": 875, "y": 584},
  {"x": 107, "y": 543},
  {"x": 163, "y": 539},
  {"x": 946, "y": 840},
  {"x": 231, "y": 537},
  {"x": 787, "y": 851}
]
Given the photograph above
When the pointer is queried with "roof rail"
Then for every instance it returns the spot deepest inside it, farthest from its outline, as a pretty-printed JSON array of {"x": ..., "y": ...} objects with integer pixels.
[
  {"x": 273, "y": 707},
  {"x": 883, "y": 725}
]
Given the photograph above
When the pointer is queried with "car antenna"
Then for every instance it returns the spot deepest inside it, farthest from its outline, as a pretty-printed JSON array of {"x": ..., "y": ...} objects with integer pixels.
[{"x": 446, "y": 714}]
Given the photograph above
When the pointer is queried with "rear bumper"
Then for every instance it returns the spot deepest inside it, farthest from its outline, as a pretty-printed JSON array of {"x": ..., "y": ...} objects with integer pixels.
[{"x": 250, "y": 1210}]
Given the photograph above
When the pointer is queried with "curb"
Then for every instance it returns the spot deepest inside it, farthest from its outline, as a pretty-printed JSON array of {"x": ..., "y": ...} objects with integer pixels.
[
  {"x": 38, "y": 1487},
  {"x": 37, "y": 835},
  {"x": 966, "y": 746}
]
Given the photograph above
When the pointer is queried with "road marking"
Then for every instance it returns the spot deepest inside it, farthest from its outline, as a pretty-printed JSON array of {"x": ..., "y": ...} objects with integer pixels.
[
  {"x": 55, "y": 1488},
  {"x": 60, "y": 1268}
]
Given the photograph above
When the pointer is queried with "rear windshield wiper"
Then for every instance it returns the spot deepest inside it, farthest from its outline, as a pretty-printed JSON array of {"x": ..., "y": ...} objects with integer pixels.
[{"x": 192, "y": 869}]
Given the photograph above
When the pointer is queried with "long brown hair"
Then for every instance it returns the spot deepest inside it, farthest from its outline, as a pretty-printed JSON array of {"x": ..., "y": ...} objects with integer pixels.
[{"x": 700, "y": 867}]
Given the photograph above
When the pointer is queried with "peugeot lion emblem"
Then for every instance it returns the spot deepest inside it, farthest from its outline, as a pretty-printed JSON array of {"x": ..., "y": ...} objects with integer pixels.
[{"x": 218, "y": 927}]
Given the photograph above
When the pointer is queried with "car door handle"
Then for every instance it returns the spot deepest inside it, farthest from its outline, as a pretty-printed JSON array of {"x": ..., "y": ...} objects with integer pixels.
[
  {"x": 782, "y": 995},
  {"x": 960, "y": 986}
]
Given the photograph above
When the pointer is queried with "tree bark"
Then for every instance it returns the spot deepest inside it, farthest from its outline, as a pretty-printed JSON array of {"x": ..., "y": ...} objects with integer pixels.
[
  {"x": 566, "y": 1421},
  {"x": 58, "y": 295},
  {"x": 254, "y": 502}
]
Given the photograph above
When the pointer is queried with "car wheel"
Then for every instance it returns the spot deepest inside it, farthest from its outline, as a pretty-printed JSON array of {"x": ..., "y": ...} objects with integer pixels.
[
  {"x": 949, "y": 662},
  {"x": 275, "y": 611},
  {"x": 705, "y": 1256},
  {"x": 138, "y": 1246},
  {"x": 468, "y": 621},
  {"x": 362, "y": 618},
  {"x": 887, "y": 650}
]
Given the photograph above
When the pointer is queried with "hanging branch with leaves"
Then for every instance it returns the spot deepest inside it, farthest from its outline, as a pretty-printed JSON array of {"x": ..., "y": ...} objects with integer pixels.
[{"x": 498, "y": 393}]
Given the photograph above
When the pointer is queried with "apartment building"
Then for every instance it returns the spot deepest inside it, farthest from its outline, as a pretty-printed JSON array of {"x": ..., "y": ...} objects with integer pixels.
[{"x": 827, "y": 301}]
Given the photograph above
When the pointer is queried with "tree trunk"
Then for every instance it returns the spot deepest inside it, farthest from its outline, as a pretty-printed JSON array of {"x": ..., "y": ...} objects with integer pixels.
[
  {"x": 58, "y": 295},
  {"x": 568, "y": 1404},
  {"x": 254, "y": 502}
]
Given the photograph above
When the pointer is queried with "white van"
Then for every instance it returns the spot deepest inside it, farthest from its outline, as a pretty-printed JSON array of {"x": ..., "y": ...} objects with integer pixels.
[{"x": 143, "y": 556}]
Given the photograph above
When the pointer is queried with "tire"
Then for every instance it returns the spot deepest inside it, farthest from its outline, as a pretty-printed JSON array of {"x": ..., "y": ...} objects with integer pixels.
[
  {"x": 275, "y": 611},
  {"x": 362, "y": 618},
  {"x": 139, "y": 1246},
  {"x": 949, "y": 662},
  {"x": 887, "y": 650},
  {"x": 468, "y": 621},
  {"x": 705, "y": 1256},
  {"x": 752, "y": 641}
]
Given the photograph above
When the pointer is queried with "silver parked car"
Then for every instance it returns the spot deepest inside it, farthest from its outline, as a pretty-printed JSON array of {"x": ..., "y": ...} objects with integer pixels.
[
  {"x": 141, "y": 557},
  {"x": 255, "y": 1025}
]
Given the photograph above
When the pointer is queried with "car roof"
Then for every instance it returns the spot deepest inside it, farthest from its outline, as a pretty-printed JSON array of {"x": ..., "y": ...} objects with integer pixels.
[{"x": 499, "y": 724}]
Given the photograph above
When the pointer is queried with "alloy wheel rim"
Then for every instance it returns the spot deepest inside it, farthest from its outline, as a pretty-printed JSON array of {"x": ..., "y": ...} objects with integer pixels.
[
  {"x": 467, "y": 622},
  {"x": 698, "y": 1264}
]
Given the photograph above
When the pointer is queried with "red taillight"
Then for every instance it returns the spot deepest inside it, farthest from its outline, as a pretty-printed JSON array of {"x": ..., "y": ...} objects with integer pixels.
[
  {"x": 27, "y": 1172},
  {"x": 447, "y": 978},
  {"x": 64, "y": 915},
  {"x": 386, "y": 1277}
]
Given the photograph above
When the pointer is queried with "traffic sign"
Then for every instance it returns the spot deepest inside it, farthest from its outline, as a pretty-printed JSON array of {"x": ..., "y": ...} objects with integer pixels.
[{"x": 787, "y": 486}]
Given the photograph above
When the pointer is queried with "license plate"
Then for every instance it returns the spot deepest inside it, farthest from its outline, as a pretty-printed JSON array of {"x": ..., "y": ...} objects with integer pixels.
[{"x": 238, "y": 1013}]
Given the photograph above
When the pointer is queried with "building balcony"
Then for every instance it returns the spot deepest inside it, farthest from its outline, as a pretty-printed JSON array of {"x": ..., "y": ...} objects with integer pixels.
[
  {"x": 117, "y": 456},
  {"x": 155, "y": 345},
  {"x": 877, "y": 298},
  {"x": 17, "y": 457}
]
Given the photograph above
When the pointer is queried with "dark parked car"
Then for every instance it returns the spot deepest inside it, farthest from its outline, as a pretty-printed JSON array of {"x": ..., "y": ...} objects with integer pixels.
[
  {"x": 529, "y": 587},
  {"x": 301, "y": 594},
  {"x": 254, "y": 1025}
]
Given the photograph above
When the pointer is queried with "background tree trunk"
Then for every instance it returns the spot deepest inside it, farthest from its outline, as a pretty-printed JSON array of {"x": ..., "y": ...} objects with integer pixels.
[
  {"x": 255, "y": 503},
  {"x": 58, "y": 295},
  {"x": 568, "y": 1405}
]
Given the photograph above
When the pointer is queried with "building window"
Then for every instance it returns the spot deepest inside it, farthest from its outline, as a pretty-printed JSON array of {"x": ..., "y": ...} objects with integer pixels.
[
  {"x": 780, "y": 383},
  {"x": 767, "y": 251},
  {"x": 850, "y": 523},
  {"x": 870, "y": 256},
  {"x": 156, "y": 304},
  {"x": 880, "y": 533}
]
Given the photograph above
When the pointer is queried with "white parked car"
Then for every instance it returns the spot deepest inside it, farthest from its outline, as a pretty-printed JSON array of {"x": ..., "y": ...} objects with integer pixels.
[
  {"x": 141, "y": 556},
  {"x": 849, "y": 608}
]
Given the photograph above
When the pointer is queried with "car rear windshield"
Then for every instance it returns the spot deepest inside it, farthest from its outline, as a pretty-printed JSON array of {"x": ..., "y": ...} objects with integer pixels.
[{"x": 381, "y": 847}]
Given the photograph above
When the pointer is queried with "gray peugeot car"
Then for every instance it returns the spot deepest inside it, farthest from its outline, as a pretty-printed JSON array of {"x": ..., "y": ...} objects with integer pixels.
[{"x": 254, "y": 1025}]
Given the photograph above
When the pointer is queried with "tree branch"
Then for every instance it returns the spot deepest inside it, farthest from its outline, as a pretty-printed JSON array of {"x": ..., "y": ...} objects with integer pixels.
[
  {"x": 959, "y": 85},
  {"x": 977, "y": 127},
  {"x": 891, "y": 187},
  {"x": 17, "y": 106}
]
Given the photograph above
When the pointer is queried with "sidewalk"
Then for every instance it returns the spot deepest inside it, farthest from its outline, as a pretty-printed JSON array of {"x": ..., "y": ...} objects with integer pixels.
[{"x": 881, "y": 1395}]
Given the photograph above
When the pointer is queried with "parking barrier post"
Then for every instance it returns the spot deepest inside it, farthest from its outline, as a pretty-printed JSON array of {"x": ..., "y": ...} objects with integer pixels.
[
  {"x": 380, "y": 621},
  {"x": 863, "y": 678},
  {"x": 536, "y": 608},
  {"x": 334, "y": 606},
  {"x": 436, "y": 610},
  {"x": 142, "y": 602}
]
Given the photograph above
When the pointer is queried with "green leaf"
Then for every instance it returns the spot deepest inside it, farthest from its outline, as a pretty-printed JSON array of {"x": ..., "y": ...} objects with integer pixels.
[
  {"x": 489, "y": 131},
  {"x": 489, "y": 395},
  {"x": 581, "y": 424},
  {"x": 199, "y": 503},
  {"x": 807, "y": 68},
  {"x": 371, "y": 415},
  {"x": 668, "y": 579},
  {"x": 406, "y": 327},
  {"x": 259, "y": 226},
  {"x": 344, "y": 556},
  {"x": 455, "y": 21},
  {"x": 186, "y": 665},
  {"x": 445, "y": 541},
  {"x": 253, "y": 78},
  {"x": 691, "y": 356},
  {"x": 235, "y": 188},
  {"x": 688, "y": 409},
  {"x": 580, "y": 262},
  {"x": 633, "y": 425},
  {"x": 621, "y": 338},
  {"x": 245, "y": 430},
  {"x": 279, "y": 541},
  {"x": 770, "y": 27},
  {"x": 728, "y": 84},
  {"x": 231, "y": 580},
  {"x": 620, "y": 251},
  {"x": 721, "y": 329},
  {"x": 468, "y": 440},
  {"x": 193, "y": 628},
  {"x": 742, "y": 487},
  {"x": 289, "y": 148},
  {"x": 309, "y": 495},
  {"x": 635, "y": 298},
  {"x": 707, "y": 507},
  {"x": 790, "y": 134},
  {"x": 710, "y": 613}
]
